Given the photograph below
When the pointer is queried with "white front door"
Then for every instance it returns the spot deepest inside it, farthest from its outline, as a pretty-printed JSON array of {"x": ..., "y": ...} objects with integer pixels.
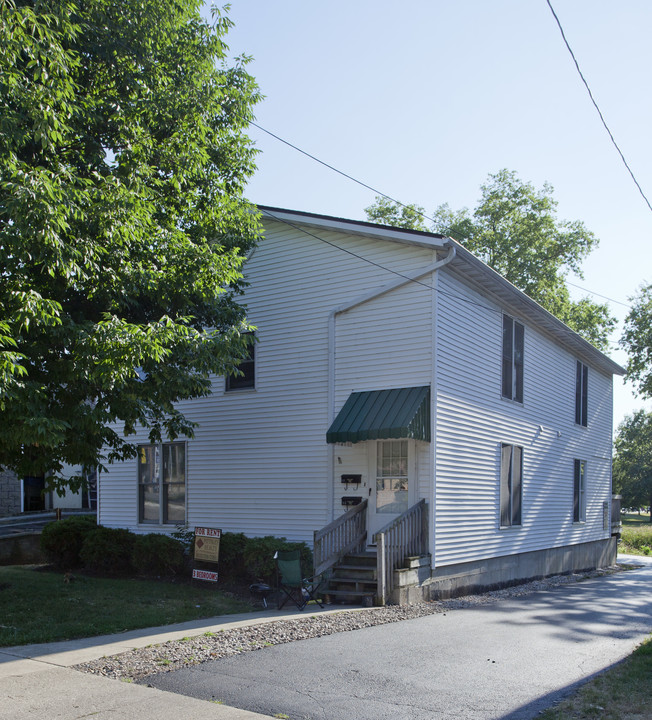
[{"x": 391, "y": 470}]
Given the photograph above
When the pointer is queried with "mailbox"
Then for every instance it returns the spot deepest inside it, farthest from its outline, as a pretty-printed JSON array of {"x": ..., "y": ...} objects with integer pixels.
[{"x": 351, "y": 500}]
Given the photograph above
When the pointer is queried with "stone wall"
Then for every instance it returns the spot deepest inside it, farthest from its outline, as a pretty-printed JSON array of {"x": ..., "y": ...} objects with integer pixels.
[{"x": 9, "y": 494}]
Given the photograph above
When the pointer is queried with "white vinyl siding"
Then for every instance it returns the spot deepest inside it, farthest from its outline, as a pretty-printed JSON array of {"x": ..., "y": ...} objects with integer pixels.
[
  {"x": 259, "y": 462},
  {"x": 472, "y": 421}
]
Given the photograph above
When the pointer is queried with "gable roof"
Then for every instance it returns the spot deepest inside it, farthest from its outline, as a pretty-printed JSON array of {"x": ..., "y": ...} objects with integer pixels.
[{"x": 466, "y": 266}]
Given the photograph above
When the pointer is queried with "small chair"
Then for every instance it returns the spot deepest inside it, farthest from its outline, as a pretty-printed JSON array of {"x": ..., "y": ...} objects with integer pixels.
[{"x": 290, "y": 583}]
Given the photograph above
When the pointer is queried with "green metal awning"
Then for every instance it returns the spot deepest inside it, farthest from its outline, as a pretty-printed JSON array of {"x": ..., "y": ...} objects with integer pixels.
[{"x": 383, "y": 414}]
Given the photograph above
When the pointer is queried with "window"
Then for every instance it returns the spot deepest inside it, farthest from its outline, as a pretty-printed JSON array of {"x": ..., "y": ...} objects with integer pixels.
[
  {"x": 246, "y": 376},
  {"x": 162, "y": 483},
  {"x": 392, "y": 476},
  {"x": 581, "y": 394},
  {"x": 579, "y": 494},
  {"x": 511, "y": 471},
  {"x": 513, "y": 334}
]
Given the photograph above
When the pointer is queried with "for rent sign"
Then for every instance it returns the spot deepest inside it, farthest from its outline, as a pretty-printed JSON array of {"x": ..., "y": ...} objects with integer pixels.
[{"x": 207, "y": 544}]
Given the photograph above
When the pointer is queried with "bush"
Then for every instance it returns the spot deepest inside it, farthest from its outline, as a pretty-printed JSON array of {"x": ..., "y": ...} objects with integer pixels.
[
  {"x": 259, "y": 553},
  {"x": 156, "y": 554},
  {"x": 108, "y": 551},
  {"x": 186, "y": 536},
  {"x": 637, "y": 538},
  {"x": 232, "y": 564},
  {"x": 62, "y": 540}
]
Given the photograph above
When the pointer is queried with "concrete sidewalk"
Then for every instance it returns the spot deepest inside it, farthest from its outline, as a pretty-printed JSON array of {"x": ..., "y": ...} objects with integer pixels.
[{"x": 36, "y": 681}]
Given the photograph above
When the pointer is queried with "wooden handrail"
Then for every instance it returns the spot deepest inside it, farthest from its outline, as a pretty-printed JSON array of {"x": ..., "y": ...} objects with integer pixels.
[
  {"x": 404, "y": 537},
  {"x": 347, "y": 533}
]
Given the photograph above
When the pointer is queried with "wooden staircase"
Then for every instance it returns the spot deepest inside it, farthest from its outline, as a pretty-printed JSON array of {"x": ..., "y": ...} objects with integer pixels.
[
  {"x": 354, "y": 579},
  {"x": 367, "y": 576}
]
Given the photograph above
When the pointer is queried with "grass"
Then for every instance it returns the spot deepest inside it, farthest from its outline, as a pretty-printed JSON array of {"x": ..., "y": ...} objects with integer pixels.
[
  {"x": 618, "y": 694},
  {"x": 38, "y": 606},
  {"x": 636, "y": 536}
]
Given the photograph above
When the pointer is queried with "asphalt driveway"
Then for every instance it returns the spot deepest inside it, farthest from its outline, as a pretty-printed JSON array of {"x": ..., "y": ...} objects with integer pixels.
[{"x": 508, "y": 660}]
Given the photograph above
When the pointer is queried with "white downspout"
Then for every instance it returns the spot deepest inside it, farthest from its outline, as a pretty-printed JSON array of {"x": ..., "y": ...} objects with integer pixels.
[{"x": 360, "y": 300}]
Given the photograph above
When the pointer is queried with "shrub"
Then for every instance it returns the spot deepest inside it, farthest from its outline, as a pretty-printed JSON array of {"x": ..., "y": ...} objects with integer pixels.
[
  {"x": 62, "y": 540},
  {"x": 637, "y": 538},
  {"x": 108, "y": 551},
  {"x": 232, "y": 547},
  {"x": 259, "y": 553},
  {"x": 186, "y": 536},
  {"x": 156, "y": 554}
]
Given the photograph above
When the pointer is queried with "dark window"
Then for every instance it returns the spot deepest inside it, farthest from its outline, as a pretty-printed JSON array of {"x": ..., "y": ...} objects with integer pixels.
[
  {"x": 511, "y": 471},
  {"x": 579, "y": 491},
  {"x": 162, "y": 484},
  {"x": 581, "y": 394},
  {"x": 246, "y": 375},
  {"x": 513, "y": 337}
]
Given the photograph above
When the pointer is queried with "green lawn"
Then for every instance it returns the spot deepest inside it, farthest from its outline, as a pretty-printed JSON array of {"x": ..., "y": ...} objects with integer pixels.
[
  {"x": 37, "y": 606},
  {"x": 635, "y": 518},
  {"x": 620, "y": 693},
  {"x": 636, "y": 536}
]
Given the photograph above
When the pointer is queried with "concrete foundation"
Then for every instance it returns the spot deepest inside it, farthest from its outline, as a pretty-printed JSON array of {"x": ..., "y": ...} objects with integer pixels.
[{"x": 481, "y": 575}]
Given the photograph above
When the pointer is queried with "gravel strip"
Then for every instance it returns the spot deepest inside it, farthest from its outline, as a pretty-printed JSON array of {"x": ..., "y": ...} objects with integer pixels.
[{"x": 175, "y": 654}]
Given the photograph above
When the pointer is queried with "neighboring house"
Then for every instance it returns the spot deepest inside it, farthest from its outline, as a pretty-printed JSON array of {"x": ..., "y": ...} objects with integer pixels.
[
  {"x": 392, "y": 366},
  {"x": 27, "y": 494}
]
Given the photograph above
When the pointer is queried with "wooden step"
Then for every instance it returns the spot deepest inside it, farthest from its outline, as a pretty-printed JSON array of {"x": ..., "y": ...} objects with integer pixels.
[
  {"x": 350, "y": 566},
  {"x": 352, "y": 596}
]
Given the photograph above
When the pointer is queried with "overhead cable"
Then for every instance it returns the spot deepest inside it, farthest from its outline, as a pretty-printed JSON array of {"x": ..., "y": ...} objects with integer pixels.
[
  {"x": 378, "y": 192},
  {"x": 595, "y": 104}
]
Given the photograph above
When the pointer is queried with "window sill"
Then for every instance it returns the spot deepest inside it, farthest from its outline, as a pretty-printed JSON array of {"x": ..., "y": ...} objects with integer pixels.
[{"x": 520, "y": 403}]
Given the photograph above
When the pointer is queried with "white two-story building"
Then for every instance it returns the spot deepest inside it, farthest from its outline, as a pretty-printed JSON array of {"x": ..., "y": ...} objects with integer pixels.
[{"x": 392, "y": 367}]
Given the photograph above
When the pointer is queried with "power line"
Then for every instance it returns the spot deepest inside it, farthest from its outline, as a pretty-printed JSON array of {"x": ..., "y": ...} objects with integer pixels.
[
  {"x": 595, "y": 104},
  {"x": 348, "y": 252},
  {"x": 461, "y": 298},
  {"x": 604, "y": 297},
  {"x": 342, "y": 173},
  {"x": 389, "y": 197}
]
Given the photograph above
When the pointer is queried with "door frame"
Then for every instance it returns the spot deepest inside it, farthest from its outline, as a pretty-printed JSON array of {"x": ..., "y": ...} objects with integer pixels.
[{"x": 376, "y": 521}]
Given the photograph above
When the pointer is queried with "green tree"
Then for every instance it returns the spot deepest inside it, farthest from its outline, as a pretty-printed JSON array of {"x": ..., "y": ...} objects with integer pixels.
[
  {"x": 123, "y": 226},
  {"x": 515, "y": 230},
  {"x": 637, "y": 340},
  {"x": 632, "y": 468},
  {"x": 387, "y": 212}
]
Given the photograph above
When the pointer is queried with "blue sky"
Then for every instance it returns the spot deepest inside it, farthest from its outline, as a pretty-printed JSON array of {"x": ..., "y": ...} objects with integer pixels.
[{"x": 425, "y": 99}]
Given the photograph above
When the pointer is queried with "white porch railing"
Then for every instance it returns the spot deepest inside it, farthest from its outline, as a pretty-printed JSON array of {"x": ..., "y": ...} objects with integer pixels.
[
  {"x": 404, "y": 537},
  {"x": 346, "y": 534}
]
